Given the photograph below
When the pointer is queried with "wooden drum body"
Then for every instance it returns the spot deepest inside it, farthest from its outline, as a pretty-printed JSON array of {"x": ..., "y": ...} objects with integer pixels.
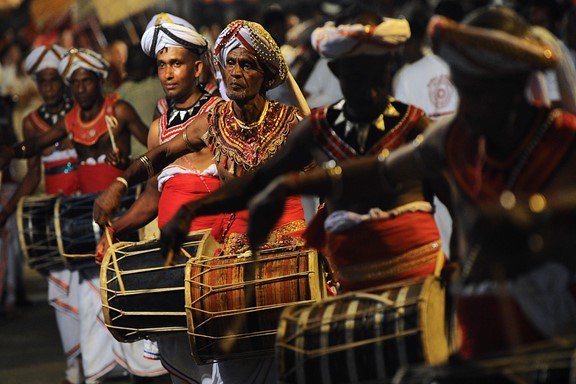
[
  {"x": 140, "y": 295},
  {"x": 233, "y": 303},
  {"x": 363, "y": 336}
]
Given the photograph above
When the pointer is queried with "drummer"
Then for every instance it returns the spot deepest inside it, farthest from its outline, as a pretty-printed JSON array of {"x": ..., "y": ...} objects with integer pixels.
[
  {"x": 180, "y": 60},
  {"x": 392, "y": 237},
  {"x": 517, "y": 286},
  {"x": 241, "y": 134},
  {"x": 60, "y": 177},
  {"x": 99, "y": 125}
]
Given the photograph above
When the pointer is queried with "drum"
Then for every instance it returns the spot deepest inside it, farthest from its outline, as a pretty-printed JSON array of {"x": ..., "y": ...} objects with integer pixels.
[
  {"x": 76, "y": 232},
  {"x": 542, "y": 363},
  {"x": 142, "y": 297},
  {"x": 36, "y": 232},
  {"x": 233, "y": 302},
  {"x": 363, "y": 336}
]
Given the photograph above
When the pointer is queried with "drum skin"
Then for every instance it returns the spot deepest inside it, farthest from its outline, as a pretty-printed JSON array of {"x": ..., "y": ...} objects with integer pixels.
[
  {"x": 35, "y": 219},
  {"x": 363, "y": 337},
  {"x": 141, "y": 297},
  {"x": 77, "y": 234},
  {"x": 233, "y": 303}
]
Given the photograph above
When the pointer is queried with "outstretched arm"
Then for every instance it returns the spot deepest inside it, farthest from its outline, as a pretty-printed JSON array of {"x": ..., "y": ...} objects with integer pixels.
[
  {"x": 32, "y": 146},
  {"x": 30, "y": 180},
  {"x": 353, "y": 180},
  {"x": 235, "y": 194},
  {"x": 147, "y": 166}
]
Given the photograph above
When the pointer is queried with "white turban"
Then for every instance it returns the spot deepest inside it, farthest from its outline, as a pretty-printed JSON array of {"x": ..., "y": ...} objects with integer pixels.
[
  {"x": 43, "y": 57},
  {"x": 254, "y": 38},
  {"x": 163, "y": 17},
  {"x": 487, "y": 52},
  {"x": 170, "y": 35},
  {"x": 334, "y": 42},
  {"x": 82, "y": 58}
]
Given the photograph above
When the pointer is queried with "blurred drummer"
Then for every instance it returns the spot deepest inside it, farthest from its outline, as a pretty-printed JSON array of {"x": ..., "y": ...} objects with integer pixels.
[
  {"x": 59, "y": 162},
  {"x": 517, "y": 283},
  {"x": 99, "y": 127},
  {"x": 241, "y": 134}
]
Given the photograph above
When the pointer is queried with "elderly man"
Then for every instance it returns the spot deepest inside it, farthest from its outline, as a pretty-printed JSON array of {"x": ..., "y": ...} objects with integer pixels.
[
  {"x": 515, "y": 289},
  {"x": 392, "y": 237},
  {"x": 179, "y": 51},
  {"x": 241, "y": 134}
]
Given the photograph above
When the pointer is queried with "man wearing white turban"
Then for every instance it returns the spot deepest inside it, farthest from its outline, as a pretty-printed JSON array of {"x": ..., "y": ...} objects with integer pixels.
[
  {"x": 367, "y": 121},
  {"x": 99, "y": 127},
  {"x": 180, "y": 65},
  {"x": 509, "y": 165},
  {"x": 60, "y": 177},
  {"x": 241, "y": 134}
]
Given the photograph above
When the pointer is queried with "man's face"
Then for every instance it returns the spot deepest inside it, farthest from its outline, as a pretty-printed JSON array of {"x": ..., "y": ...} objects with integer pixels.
[
  {"x": 364, "y": 82},
  {"x": 86, "y": 87},
  {"x": 178, "y": 69},
  {"x": 488, "y": 105},
  {"x": 50, "y": 86},
  {"x": 243, "y": 75}
]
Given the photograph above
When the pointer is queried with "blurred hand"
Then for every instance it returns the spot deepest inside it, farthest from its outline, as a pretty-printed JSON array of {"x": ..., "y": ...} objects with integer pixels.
[
  {"x": 116, "y": 159},
  {"x": 107, "y": 204},
  {"x": 173, "y": 234},
  {"x": 6, "y": 154},
  {"x": 265, "y": 210},
  {"x": 101, "y": 249}
]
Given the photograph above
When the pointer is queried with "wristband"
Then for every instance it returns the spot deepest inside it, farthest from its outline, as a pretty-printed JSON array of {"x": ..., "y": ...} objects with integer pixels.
[{"x": 123, "y": 181}]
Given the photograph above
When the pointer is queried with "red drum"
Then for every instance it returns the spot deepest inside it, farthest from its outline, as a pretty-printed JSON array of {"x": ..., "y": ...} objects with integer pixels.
[
  {"x": 77, "y": 233},
  {"x": 142, "y": 297},
  {"x": 37, "y": 234},
  {"x": 233, "y": 302},
  {"x": 362, "y": 337}
]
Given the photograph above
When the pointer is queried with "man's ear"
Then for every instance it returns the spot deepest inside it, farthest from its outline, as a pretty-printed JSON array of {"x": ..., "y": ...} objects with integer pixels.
[{"x": 198, "y": 68}]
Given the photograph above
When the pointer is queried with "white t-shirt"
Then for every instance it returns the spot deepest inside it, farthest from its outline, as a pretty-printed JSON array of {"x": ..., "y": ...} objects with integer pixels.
[{"x": 426, "y": 84}]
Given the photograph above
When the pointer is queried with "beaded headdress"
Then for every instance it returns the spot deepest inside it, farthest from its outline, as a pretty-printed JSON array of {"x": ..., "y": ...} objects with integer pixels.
[{"x": 254, "y": 38}]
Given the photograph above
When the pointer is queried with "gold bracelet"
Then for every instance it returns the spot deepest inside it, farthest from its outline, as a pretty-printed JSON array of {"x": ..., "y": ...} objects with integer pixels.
[
  {"x": 148, "y": 164},
  {"x": 123, "y": 181},
  {"x": 335, "y": 175}
]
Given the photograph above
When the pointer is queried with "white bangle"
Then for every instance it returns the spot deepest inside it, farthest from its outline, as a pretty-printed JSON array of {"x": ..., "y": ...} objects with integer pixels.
[{"x": 123, "y": 181}]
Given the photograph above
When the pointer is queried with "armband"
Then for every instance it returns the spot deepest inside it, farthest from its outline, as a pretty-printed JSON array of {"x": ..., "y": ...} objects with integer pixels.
[{"x": 189, "y": 145}]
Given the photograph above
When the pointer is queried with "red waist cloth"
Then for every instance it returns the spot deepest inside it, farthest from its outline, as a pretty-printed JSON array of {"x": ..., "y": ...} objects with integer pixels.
[
  {"x": 65, "y": 183},
  {"x": 490, "y": 324},
  {"x": 97, "y": 177},
  {"x": 237, "y": 223},
  {"x": 181, "y": 189},
  {"x": 382, "y": 251}
]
